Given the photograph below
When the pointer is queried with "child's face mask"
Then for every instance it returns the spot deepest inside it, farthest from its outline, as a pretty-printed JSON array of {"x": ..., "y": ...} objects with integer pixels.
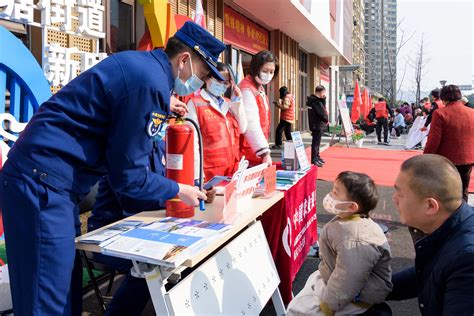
[{"x": 329, "y": 204}]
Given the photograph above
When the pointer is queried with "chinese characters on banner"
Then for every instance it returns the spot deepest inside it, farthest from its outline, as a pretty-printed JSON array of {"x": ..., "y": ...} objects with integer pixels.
[
  {"x": 291, "y": 229},
  {"x": 240, "y": 31},
  {"x": 59, "y": 64},
  {"x": 324, "y": 74}
]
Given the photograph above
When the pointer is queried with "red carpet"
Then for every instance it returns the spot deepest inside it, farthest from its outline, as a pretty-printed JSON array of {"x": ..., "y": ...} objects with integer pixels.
[{"x": 382, "y": 165}]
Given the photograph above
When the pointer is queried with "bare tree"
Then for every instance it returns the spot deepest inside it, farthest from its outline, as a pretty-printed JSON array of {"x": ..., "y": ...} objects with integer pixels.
[
  {"x": 418, "y": 63},
  {"x": 391, "y": 91}
]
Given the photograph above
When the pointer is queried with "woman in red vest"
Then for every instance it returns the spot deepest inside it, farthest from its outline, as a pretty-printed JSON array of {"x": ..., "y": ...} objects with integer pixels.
[
  {"x": 286, "y": 104},
  {"x": 254, "y": 145},
  {"x": 221, "y": 121}
]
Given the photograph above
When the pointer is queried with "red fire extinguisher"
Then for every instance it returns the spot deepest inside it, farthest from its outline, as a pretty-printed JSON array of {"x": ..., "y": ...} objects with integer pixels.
[{"x": 180, "y": 163}]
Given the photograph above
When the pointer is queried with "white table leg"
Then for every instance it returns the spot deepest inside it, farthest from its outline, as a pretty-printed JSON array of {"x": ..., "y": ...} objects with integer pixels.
[
  {"x": 155, "y": 279},
  {"x": 278, "y": 303}
]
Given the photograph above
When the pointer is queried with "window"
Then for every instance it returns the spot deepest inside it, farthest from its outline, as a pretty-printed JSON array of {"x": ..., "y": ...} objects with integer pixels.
[{"x": 121, "y": 25}]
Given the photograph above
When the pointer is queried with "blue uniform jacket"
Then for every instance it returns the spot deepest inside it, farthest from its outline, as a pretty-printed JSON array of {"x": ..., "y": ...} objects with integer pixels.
[
  {"x": 443, "y": 276},
  {"x": 100, "y": 124},
  {"x": 110, "y": 207}
]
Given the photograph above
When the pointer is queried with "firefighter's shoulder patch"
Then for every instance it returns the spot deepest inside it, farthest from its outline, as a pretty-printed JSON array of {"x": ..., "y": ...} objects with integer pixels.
[{"x": 154, "y": 123}]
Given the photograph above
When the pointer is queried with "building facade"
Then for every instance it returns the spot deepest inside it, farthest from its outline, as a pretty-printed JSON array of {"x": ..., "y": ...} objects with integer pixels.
[
  {"x": 307, "y": 59},
  {"x": 358, "y": 40},
  {"x": 380, "y": 46}
]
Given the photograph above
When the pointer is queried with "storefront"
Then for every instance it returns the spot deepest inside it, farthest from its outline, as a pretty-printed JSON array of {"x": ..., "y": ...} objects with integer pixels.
[{"x": 244, "y": 38}]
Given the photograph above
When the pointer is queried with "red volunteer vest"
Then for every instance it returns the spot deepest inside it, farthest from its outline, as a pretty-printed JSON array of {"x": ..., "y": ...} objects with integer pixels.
[
  {"x": 245, "y": 149},
  {"x": 381, "y": 110},
  {"x": 220, "y": 139}
]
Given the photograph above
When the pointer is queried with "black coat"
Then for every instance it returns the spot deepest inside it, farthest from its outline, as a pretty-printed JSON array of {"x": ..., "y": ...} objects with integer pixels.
[
  {"x": 317, "y": 114},
  {"x": 443, "y": 275}
]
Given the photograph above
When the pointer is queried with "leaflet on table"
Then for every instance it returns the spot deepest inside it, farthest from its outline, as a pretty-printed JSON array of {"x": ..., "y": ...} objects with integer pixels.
[
  {"x": 168, "y": 242},
  {"x": 283, "y": 186},
  {"x": 293, "y": 175},
  {"x": 109, "y": 232}
]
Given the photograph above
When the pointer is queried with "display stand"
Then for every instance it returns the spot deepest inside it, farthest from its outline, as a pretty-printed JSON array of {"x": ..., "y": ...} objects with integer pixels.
[{"x": 343, "y": 121}]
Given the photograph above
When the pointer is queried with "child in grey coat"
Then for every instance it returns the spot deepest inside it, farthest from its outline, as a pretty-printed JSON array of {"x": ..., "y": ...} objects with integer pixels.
[{"x": 355, "y": 269}]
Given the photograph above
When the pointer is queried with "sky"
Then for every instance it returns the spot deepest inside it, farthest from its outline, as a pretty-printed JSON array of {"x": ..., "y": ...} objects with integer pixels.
[{"x": 447, "y": 26}]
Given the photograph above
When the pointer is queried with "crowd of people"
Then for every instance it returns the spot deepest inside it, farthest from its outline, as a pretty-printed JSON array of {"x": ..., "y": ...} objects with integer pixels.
[{"x": 93, "y": 131}]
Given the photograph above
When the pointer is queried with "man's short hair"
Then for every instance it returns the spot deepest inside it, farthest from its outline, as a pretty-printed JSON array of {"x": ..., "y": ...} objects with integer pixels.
[
  {"x": 360, "y": 189},
  {"x": 426, "y": 99},
  {"x": 319, "y": 88},
  {"x": 175, "y": 47},
  {"x": 381, "y": 99},
  {"x": 434, "y": 176},
  {"x": 435, "y": 93}
]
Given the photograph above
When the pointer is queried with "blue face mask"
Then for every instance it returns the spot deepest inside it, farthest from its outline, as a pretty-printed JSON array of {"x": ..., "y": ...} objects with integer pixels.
[
  {"x": 216, "y": 88},
  {"x": 191, "y": 85}
]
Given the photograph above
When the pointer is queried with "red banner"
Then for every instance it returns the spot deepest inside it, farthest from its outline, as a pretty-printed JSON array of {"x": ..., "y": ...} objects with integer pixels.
[
  {"x": 243, "y": 33},
  {"x": 324, "y": 73},
  {"x": 291, "y": 229}
]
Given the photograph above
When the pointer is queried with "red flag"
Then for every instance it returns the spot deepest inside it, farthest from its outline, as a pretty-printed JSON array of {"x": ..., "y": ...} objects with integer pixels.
[
  {"x": 355, "y": 113},
  {"x": 199, "y": 18},
  {"x": 365, "y": 108},
  {"x": 362, "y": 106}
]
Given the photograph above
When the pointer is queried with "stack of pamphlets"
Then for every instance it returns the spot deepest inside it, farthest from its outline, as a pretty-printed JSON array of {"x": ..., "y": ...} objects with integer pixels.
[
  {"x": 286, "y": 179},
  {"x": 168, "y": 242},
  {"x": 109, "y": 232}
]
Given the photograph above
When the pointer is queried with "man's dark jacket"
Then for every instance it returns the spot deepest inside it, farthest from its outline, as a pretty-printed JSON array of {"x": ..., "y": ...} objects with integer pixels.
[
  {"x": 317, "y": 114},
  {"x": 443, "y": 276}
]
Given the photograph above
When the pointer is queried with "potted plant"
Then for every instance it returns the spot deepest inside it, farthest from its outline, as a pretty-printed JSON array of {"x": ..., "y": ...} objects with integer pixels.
[{"x": 358, "y": 137}]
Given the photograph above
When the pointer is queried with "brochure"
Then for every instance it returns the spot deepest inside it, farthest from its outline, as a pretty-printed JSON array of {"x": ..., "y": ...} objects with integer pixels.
[
  {"x": 168, "y": 242},
  {"x": 109, "y": 232}
]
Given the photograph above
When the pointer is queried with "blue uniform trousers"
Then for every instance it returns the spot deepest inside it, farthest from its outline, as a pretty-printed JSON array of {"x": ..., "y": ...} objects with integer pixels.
[{"x": 40, "y": 225}]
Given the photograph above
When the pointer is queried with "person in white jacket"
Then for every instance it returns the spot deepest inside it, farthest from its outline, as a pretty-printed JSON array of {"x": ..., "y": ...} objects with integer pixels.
[
  {"x": 263, "y": 68},
  {"x": 221, "y": 121}
]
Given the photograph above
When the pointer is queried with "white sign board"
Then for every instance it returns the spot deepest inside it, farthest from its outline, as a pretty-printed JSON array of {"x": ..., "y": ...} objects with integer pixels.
[
  {"x": 346, "y": 120},
  {"x": 300, "y": 150},
  {"x": 238, "y": 280}
]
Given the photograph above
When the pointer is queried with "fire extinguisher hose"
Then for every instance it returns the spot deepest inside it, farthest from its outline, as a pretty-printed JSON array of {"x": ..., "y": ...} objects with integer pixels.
[{"x": 202, "y": 206}]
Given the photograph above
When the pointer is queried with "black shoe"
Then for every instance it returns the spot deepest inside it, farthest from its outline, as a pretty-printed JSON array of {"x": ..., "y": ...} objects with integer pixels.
[
  {"x": 276, "y": 147},
  {"x": 386, "y": 143},
  {"x": 318, "y": 163},
  {"x": 322, "y": 160}
]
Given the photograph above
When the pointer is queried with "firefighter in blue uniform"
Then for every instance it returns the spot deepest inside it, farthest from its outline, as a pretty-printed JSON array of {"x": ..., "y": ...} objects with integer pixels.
[
  {"x": 132, "y": 295},
  {"x": 101, "y": 123}
]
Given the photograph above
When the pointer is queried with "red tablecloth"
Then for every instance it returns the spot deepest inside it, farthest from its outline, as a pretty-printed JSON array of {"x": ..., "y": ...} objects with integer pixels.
[{"x": 291, "y": 228}]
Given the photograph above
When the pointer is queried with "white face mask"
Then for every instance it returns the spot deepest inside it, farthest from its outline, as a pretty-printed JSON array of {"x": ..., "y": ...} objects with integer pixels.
[
  {"x": 330, "y": 204},
  {"x": 264, "y": 78}
]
